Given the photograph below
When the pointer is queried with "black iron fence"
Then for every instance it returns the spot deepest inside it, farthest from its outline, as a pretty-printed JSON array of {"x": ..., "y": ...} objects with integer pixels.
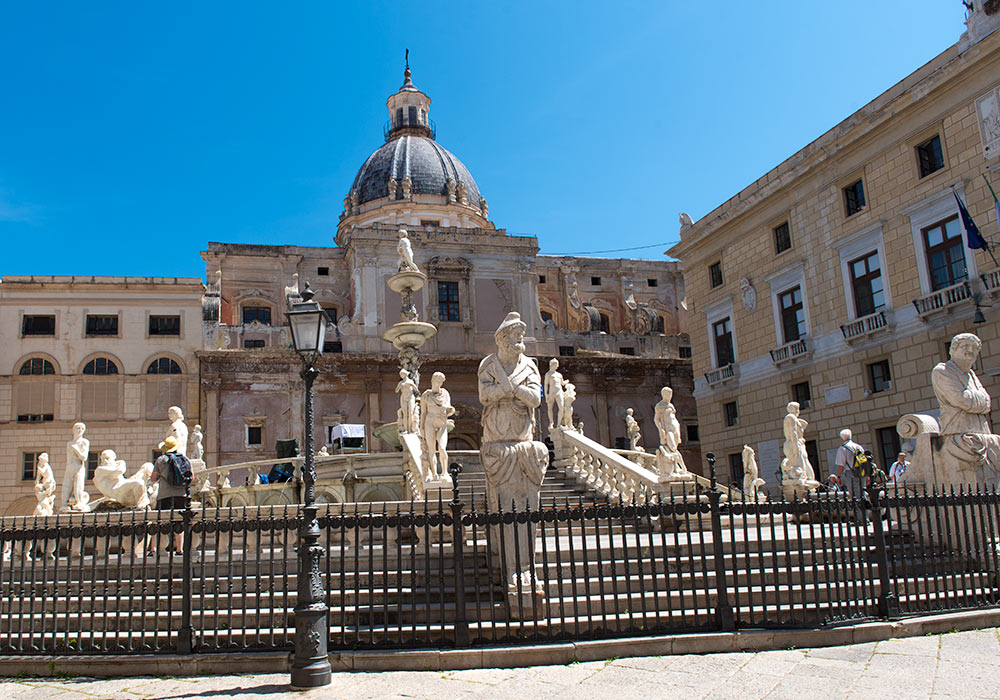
[{"x": 443, "y": 573}]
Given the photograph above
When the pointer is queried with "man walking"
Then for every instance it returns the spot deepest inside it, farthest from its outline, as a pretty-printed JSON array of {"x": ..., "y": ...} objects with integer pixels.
[{"x": 849, "y": 480}]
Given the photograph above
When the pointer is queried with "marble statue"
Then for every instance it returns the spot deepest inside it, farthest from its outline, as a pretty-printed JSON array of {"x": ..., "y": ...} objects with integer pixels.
[
  {"x": 109, "y": 478},
  {"x": 45, "y": 486},
  {"x": 752, "y": 482},
  {"x": 514, "y": 464},
  {"x": 405, "y": 251},
  {"x": 449, "y": 187},
  {"x": 292, "y": 289},
  {"x": 391, "y": 186},
  {"x": 324, "y": 451},
  {"x": 969, "y": 452},
  {"x": 463, "y": 193},
  {"x": 797, "y": 475},
  {"x": 197, "y": 449},
  {"x": 74, "y": 496},
  {"x": 669, "y": 461},
  {"x": 407, "y": 417},
  {"x": 632, "y": 431},
  {"x": 407, "y": 185},
  {"x": 435, "y": 416},
  {"x": 554, "y": 392},
  {"x": 178, "y": 430},
  {"x": 566, "y": 407},
  {"x": 484, "y": 207}
]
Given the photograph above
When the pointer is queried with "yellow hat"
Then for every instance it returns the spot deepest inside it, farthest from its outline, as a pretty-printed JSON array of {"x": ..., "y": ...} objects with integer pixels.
[{"x": 169, "y": 444}]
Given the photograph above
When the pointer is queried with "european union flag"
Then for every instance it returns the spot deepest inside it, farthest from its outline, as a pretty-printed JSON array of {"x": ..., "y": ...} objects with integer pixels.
[{"x": 975, "y": 240}]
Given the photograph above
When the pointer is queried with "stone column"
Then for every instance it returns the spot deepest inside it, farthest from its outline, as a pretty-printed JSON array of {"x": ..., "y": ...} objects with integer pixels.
[{"x": 373, "y": 402}]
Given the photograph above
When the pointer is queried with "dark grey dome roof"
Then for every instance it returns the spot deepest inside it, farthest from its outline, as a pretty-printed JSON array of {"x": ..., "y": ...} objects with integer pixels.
[{"x": 423, "y": 159}]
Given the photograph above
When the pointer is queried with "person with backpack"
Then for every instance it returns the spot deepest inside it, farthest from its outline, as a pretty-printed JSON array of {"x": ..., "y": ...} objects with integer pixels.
[
  {"x": 851, "y": 472},
  {"x": 172, "y": 473}
]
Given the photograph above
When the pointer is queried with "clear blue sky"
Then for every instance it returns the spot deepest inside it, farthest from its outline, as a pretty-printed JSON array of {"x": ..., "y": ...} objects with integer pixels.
[{"x": 133, "y": 133}]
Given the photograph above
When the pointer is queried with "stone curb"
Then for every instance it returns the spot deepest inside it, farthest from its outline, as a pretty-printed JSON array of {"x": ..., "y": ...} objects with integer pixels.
[{"x": 119, "y": 666}]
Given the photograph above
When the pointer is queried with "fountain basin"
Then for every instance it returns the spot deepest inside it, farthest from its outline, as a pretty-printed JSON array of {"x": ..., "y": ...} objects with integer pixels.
[{"x": 409, "y": 334}]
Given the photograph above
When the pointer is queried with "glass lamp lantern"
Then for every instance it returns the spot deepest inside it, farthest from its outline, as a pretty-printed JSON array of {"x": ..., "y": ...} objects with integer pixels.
[{"x": 308, "y": 321}]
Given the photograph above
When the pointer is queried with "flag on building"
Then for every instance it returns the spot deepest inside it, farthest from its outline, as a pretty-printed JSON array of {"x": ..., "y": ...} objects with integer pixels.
[{"x": 972, "y": 235}]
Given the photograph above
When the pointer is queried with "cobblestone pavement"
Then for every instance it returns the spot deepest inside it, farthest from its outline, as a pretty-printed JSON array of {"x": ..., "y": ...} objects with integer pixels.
[{"x": 960, "y": 665}]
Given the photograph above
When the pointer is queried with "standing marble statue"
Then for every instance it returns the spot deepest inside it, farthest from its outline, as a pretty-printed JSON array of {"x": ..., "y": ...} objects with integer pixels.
[
  {"x": 74, "y": 495},
  {"x": 405, "y": 251},
  {"x": 797, "y": 475},
  {"x": 969, "y": 451},
  {"x": 178, "y": 430},
  {"x": 554, "y": 393},
  {"x": 407, "y": 417},
  {"x": 669, "y": 461},
  {"x": 752, "y": 482},
  {"x": 435, "y": 416},
  {"x": 566, "y": 406},
  {"x": 197, "y": 451},
  {"x": 510, "y": 391},
  {"x": 632, "y": 431},
  {"x": 45, "y": 486}
]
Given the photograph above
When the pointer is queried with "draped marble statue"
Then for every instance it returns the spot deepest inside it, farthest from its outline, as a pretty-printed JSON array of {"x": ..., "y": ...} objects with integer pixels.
[
  {"x": 510, "y": 391},
  {"x": 74, "y": 494},
  {"x": 797, "y": 475},
  {"x": 669, "y": 461}
]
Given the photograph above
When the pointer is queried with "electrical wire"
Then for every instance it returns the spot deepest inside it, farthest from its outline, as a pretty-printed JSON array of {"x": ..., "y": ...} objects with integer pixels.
[{"x": 615, "y": 250}]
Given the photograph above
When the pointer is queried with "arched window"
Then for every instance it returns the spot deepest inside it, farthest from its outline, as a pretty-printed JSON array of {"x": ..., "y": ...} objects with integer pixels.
[
  {"x": 546, "y": 316},
  {"x": 605, "y": 324},
  {"x": 660, "y": 324},
  {"x": 100, "y": 365},
  {"x": 163, "y": 365},
  {"x": 37, "y": 365}
]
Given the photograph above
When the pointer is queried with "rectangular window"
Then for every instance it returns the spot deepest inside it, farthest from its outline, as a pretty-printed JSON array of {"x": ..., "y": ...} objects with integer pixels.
[
  {"x": 715, "y": 274},
  {"x": 793, "y": 315},
  {"x": 323, "y": 271},
  {"x": 164, "y": 325},
  {"x": 801, "y": 394},
  {"x": 541, "y": 279},
  {"x": 723, "y": 343},
  {"x": 38, "y": 325},
  {"x": 411, "y": 115},
  {"x": 333, "y": 346},
  {"x": 567, "y": 351},
  {"x": 692, "y": 433},
  {"x": 888, "y": 446},
  {"x": 651, "y": 282},
  {"x": 866, "y": 280},
  {"x": 93, "y": 457},
  {"x": 730, "y": 414},
  {"x": 34, "y": 401},
  {"x": 253, "y": 343},
  {"x": 595, "y": 281},
  {"x": 331, "y": 311},
  {"x": 945, "y": 253},
  {"x": 429, "y": 223},
  {"x": 879, "y": 376},
  {"x": 100, "y": 399},
  {"x": 605, "y": 323},
  {"x": 255, "y": 435},
  {"x": 28, "y": 460},
  {"x": 627, "y": 351},
  {"x": 684, "y": 352},
  {"x": 782, "y": 238},
  {"x": 930, "y": 158},
  {"x": 736, "y": 469},
  {"x": 102, "y": 325},
  {"x": 448, "y": 307},
  {"x": 257, "y": 314},
  {"x": 854, "y": 198}
]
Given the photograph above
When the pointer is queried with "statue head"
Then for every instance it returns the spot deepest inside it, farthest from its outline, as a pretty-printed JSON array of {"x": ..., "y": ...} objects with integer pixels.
[
  {"x": 402, "y": 233},
  {"x": 79, "y": 429},
  {"x": 964, "y": 350},
  {"x": 107, "y": 458},
  {"x": 437, "y": 380},
  {"x": 629, "y": 412},
  {"x": 197, "y": 428},
  {"x": 845, "y": 435},
  {"x": 175, "y": 413},
  {"x": 793, "y": 407},
  {"x": 510, "y": 333},
  {"x": 667, "y": 393},
  {"x": 553, "y": 364},
  {"x": 43, "y": 459},
  {"x": 403, "y": 374}
]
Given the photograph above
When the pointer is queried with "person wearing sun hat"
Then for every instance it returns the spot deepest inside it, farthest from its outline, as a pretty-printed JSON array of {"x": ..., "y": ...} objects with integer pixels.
[{"x": 170, "y": 496}]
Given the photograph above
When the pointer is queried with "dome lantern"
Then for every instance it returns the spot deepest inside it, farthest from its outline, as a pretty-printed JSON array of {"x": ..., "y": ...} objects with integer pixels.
[{"x": 408, "y": 110}]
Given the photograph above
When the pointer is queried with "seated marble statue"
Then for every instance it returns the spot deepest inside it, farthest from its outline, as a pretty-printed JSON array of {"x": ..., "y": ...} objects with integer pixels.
[
  {"x": 109, "y": 478},
  {"x": 970, "y": 449}
]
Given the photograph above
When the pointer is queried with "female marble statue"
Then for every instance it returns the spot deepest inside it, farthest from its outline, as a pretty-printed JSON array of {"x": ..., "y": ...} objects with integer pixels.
[
  {"x": 407, "y": 420},
  {"x": 109, "y": 478},
  {"x": 435, "y": 409},
  {"x": 566, "y": 407},
  {"x": 74, "y": 495},
  {"x": 796, "y": 464},
  {"x": 632, "y": 431},
  {"x": 405, "y": 251},
  {"x": 197, "y": 449},
  {"x": 45, "y": 486}
]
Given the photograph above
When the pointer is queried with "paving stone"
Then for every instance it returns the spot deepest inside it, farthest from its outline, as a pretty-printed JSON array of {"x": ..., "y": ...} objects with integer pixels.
[{"x": 919, "y": 646}]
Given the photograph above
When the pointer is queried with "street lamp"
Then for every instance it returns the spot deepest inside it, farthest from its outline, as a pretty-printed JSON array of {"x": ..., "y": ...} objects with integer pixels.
[{"x": 311, "y": 662}]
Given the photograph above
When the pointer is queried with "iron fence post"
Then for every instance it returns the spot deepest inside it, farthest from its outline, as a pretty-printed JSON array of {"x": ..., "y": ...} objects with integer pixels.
[
  {"x": 185, "y": 635},
  {"x": 724, "y": 617},
  {"x": 458, "y": 547},
  {"x": 888, "y": 601}
]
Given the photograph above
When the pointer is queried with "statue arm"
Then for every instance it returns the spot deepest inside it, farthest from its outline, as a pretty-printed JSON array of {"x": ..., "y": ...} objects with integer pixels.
[
  {"x": 80, "y": 454},
  {"x": 950, "y": 388},
  {"x": 530, "y": 392},
  {"x": 490, "y": 390}
]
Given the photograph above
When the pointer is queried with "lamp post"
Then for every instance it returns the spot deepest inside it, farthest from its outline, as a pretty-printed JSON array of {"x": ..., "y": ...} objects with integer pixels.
[{"x": 311, "y": 662}]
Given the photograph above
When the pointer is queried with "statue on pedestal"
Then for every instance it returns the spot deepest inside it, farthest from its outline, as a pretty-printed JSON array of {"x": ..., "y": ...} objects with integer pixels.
[
  {"x": 74, "y": 496},
  {"x": 632, "y": 431},
  {"x": 435, "y": 412},
  {"x": 510, "y": 391},
  {"x": 554, "y": 392},
  {"x": 797, "y": 475},
  {"x": 45, "y": 486},
  {"x": 197, "y": 450},
  {"x": 752, "y": 482},
  {"x": 566, "y": 407},
  {"x": 405, "y": 250},
  {"x": 669, "y": 461},
  {"x": 407, "y": 417},
  {"x": 178, "y": 430},
  {"x": 109, "y": 478}
]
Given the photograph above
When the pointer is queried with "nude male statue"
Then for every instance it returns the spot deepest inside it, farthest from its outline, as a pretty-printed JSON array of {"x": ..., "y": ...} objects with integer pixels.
[
  {"x": 74, "y": 495},
  {"x": 435, "y": 412},
  {"x": 554, "y": 392}
]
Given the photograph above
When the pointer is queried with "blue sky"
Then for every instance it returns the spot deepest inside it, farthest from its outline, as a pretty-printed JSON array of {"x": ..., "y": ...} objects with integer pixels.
[{"x": 131, "y": 134}]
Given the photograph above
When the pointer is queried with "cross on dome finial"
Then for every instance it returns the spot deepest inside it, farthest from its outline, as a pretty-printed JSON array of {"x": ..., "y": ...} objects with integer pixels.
[{"x": 406, "y": 73}]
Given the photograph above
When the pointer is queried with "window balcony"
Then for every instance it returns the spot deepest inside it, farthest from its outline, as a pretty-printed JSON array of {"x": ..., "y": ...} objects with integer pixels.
[
  {"x": 865, "y": 327},
  {"x": 790, "y": 352},
  {"x": 991, "y": 282},
  {"x": 726, "y": 373},
  {"x": 943, "y": 300}
]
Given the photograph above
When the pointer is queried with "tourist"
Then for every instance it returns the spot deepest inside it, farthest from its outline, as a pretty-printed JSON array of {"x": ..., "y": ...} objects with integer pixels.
[
  {"x": 172, "y": 491},
  {"x": 850, "y": 481},
  {"x": 898, "y": 468}
]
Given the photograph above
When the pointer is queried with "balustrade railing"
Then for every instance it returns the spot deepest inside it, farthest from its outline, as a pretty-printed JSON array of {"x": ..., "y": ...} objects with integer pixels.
[
  {"x": 865, "y": 326},
  {"x": 790, "y": 351},
  {"x": 722, "y": 374},
  {"x": 943, "y": 299},
  {"x": 991, "y": 281}
]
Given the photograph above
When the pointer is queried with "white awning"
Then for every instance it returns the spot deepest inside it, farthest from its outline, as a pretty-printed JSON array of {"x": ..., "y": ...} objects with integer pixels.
[{"x": 347, "y": 430}]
